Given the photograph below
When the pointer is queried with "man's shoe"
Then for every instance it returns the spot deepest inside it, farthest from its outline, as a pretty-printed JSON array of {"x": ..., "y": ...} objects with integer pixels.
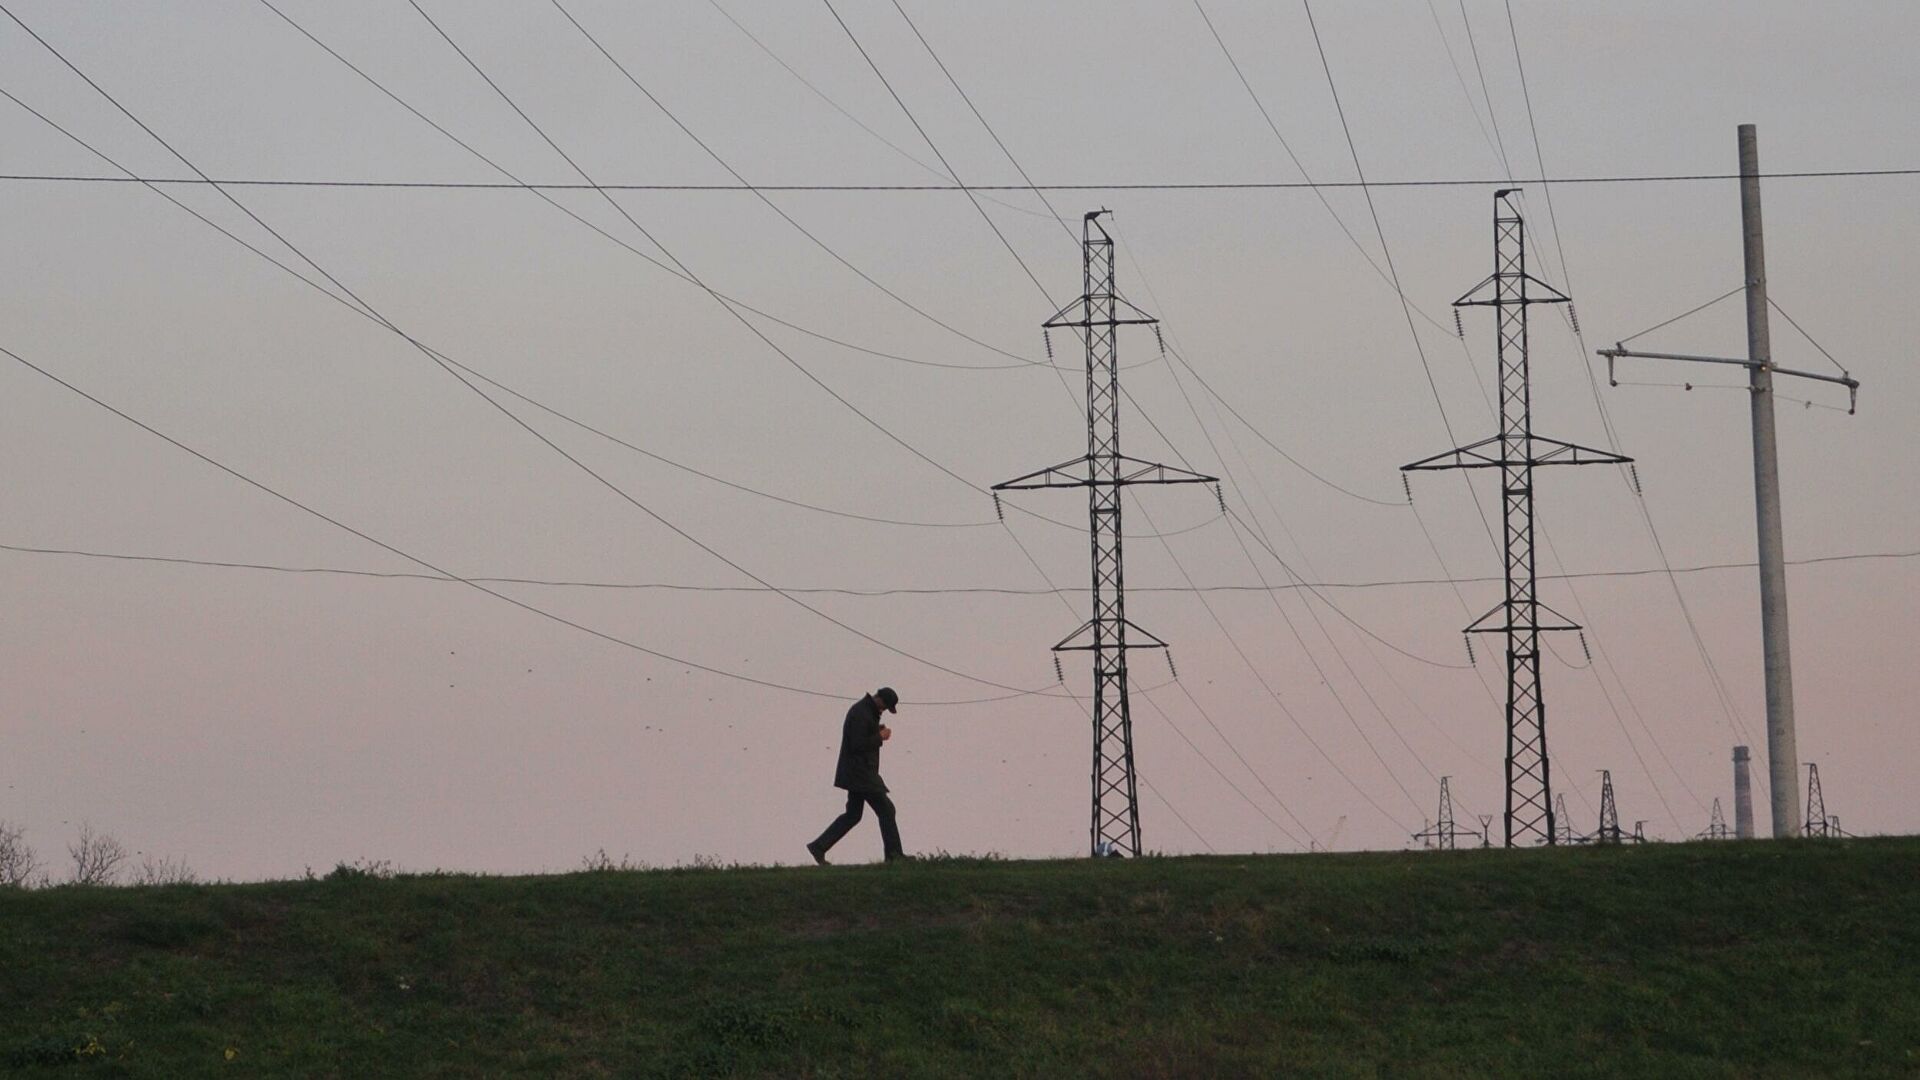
[{"x": 819, "y": 857}]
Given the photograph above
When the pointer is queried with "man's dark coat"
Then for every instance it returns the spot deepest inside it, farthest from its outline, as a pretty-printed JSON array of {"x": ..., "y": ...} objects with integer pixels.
[{"x": 859, "y": 767}]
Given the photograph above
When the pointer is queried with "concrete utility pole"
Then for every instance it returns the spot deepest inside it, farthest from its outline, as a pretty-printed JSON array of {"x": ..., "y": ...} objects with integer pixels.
[
  {"x": 1783, "y": 766},
  {"x": 1742, "y": 796},
  {"x": 1783, "y": 757}
]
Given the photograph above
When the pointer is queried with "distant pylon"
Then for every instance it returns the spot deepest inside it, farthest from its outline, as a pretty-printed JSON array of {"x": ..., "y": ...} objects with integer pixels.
[
  {"x": 1609, "y": 831},
  {"x": 1562, "y": 822},
  {"x": 1716, "y": 826},
  {"x": 1516, "y": 451},
  {"x": 1442, "y": 834},
  {"x": 1818, "y": 822},
  {"x": 1486, "y": 830},
  {"x": 1097, "y": 316}
]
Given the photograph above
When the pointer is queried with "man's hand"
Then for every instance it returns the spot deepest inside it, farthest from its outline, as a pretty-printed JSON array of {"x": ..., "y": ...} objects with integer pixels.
[{"x": 885, "y": 733}]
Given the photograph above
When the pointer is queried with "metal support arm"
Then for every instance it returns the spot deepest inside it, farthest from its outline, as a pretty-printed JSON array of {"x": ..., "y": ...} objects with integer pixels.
[{"x": 1621, "y": 352}]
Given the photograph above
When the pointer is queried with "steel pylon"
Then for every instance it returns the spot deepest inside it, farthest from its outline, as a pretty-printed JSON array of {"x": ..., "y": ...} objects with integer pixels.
[
  {"x": 1609, "y": 830},
  {"x": 1516, "y": 451},
  {"x": 1442, "y": 833},
  {"x": 1562, "y": 821},
  {"x": 1818, "y": 822},
  {"x": 1108, "y": 635},
  {"x": 1716, "y": 826}
]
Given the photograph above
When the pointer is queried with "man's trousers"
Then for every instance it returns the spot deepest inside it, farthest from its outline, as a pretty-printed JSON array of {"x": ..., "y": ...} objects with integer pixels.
[{"x": 882, "y": 808}]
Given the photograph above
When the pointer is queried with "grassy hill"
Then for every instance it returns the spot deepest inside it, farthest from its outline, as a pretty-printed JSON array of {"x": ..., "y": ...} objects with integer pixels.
[{"x": 1730, "y": 959}]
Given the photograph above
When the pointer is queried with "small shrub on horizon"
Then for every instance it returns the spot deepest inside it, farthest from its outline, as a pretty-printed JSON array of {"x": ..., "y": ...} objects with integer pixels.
[
  {"x": 361, "y": 870},
  {"x": 601, "y": 863},
  {"x": 942, "y": 855},
  {"x": 165, "y": 871}
]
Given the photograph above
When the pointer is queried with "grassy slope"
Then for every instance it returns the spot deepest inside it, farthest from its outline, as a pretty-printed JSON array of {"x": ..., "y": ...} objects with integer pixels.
[{"x": 1751, "y": 959}]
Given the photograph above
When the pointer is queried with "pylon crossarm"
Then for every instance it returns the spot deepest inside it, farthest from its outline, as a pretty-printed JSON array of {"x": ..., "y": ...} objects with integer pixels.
[
  {"x": 1081, "y": 640},
  {"x": 1566, "y": 453},
  {"x": 1075, "y": 314},
  {"x": 1080, "y": 473},
  {"x": 1545, "y": 619},
  {"x": 1152, "y": 472},
  {"x": 1470, "y": 456},
  {"x": 1473, "y": 297},
  {"x": 1491, "y": 453},
  {"x": 1075, "y": 473}
]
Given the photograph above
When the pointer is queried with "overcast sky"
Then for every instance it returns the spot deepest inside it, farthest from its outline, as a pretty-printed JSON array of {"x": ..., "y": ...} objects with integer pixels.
[{"x": 255, "y": 722}]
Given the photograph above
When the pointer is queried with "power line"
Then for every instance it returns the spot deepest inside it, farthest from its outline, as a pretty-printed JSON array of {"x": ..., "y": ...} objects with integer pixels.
[
  {"x": 1115, "y": 185},
  {"x": 1493, "y": 117},
  {"x": 446, "y": 575},
  {"x": 687, "y": 273},
  {"x": 770, "y": 204},
  {"x": 1288, "y": 620},
  {"x": 949, "y": 590},
  {"x": 931, "y": 145},
  {"x": 1459, "y": 77},
  {"x": 843, "y": 111},
  {"x": 1406, "y": 305},
  {"x": 517, "y": 183},
  {"x": 519, "y": 394},
  {"x": 1235, "y": 788},
  {"x": 508, "y": 413}
]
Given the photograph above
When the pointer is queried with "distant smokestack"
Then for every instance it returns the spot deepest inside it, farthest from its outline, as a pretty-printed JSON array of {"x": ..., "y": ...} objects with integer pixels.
[{"x": 1742, "y": 796}]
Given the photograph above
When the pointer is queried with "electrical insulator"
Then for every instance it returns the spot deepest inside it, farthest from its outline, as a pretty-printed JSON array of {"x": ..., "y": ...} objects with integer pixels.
[
  {"x": 1583, "y": 646},
  {"x": 1220, "y": 497},
  {"x": 1161, "y": 340},
  {"x": 1633, "y": 473},
  {"x": 1057, "y": 673},
  {"x": 1459, "y": 328},
  {"x": 1408, "y": 485},
  {"x": 1573, "y": 316},
  {"x": 1171, "y": 670},
  {"x": 1049, "y": 340},
  {"x": 1469, "y": 642},
  {"x": 998, "y": 510}
]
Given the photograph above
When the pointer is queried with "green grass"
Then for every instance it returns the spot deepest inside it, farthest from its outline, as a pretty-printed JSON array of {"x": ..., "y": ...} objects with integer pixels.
[{"x": 1731, "y": 959}]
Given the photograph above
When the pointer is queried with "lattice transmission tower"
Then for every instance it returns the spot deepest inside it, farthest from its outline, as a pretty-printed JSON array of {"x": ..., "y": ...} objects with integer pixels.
[
  {"x": 1818, "y": 821},
  {"x": 1716, "y": 826},
  {"x": 1609, "y": 830},
  {"x": 1562, "y": 822},
  {"x": 1443, "y": 834},
  {"x": 1516, "y": 451},
  {"x": 1108, "y": 635}
]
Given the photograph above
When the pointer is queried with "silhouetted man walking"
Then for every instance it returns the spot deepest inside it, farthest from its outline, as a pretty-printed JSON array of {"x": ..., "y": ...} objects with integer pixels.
[{"x": 858, "y": 773}]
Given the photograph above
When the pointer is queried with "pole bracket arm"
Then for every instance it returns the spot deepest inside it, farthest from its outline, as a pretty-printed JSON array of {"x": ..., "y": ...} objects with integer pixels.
[{"x": 1621, "y": 352}]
